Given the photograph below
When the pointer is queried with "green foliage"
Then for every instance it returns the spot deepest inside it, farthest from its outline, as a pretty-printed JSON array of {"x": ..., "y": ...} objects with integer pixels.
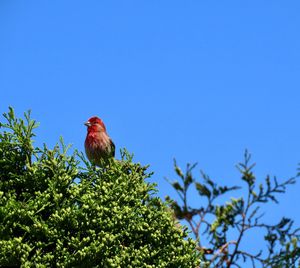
[
  {"x": 212, "y": 224},
  {"x": 55, "y": 213}
]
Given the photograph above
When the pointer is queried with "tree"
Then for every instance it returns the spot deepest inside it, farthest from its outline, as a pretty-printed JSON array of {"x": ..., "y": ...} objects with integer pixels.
[
  {"x": 54, "y": 212},
  {"x": 213, "y": 224}
]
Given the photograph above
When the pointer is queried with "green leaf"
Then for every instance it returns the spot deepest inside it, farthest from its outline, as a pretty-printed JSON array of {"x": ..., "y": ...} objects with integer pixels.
[
  {"x": 177, "y": 186},
  {"x": 203, "y": 190}
]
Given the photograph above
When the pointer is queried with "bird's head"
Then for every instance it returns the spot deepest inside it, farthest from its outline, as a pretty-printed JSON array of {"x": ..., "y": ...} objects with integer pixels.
[{"x": 95, "y": 124}]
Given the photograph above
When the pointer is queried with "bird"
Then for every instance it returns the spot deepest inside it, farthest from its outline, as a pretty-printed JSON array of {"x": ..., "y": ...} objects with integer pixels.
[{"x": 99, "y": 147}]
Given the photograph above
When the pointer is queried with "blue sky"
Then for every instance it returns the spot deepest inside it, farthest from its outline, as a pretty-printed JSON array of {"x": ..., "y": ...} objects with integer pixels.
[{"x": 200, "y": 81}]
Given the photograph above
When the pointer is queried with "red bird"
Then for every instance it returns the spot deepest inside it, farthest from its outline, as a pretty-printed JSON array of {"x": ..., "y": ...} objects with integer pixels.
[{"x": 98, "y": 145}]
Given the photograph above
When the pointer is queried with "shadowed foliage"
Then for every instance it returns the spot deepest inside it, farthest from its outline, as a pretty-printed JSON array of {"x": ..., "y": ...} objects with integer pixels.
[{"x": 221, "y": 227}]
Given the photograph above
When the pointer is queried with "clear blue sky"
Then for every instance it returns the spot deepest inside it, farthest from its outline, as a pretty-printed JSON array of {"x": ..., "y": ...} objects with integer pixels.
[{"x": 197, "y": 80}]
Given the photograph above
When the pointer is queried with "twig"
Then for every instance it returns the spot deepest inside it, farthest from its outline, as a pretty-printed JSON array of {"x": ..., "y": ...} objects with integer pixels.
[{"x": 221, "y": 250}]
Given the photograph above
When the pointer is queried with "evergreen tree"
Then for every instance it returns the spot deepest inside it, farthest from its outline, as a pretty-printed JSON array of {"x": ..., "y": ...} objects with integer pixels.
[{"x": 54, "y": 212}]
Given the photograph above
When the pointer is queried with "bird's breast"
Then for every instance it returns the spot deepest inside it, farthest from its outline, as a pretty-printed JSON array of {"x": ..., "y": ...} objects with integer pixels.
[{"x": 97, "y": 142}]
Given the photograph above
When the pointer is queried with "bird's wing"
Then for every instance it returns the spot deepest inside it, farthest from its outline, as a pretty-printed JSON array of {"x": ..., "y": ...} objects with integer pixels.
[{"x": 113, "y": 148}]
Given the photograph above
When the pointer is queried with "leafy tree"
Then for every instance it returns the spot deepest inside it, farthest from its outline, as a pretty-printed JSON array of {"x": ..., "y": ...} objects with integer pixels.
[
  {"x": 220, "y": 229},
  {"x": 56, "y": 213}
]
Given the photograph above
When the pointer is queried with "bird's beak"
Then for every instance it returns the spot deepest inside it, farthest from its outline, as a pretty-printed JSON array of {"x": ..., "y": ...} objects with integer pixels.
[{"x": 87, "y": 123}]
